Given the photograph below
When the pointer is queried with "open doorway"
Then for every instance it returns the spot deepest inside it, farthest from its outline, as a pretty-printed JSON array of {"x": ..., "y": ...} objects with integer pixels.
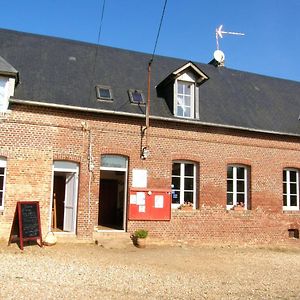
[
  {"x": 112, "y": 193},
  {"x": 64, "y": 197}
]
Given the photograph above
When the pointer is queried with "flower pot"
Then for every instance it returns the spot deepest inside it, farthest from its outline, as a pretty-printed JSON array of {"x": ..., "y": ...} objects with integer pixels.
[
  {"x": 186, "y": 207},
  {"x": 140, "y": 243}
]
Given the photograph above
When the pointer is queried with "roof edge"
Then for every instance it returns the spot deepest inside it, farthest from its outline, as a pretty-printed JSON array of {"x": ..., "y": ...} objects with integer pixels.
[{"x": 120, "y": 113}]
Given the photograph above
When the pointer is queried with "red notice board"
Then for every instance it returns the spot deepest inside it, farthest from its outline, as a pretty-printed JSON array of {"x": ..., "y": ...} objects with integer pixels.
[{"x": 150, "y": 204}]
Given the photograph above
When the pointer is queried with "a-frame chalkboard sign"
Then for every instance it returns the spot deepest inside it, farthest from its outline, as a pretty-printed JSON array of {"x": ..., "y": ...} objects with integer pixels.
[{"x": 26, "y": 224}]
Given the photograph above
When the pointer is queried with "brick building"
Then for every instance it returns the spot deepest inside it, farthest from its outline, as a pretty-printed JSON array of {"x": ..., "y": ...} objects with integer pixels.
[{"x": 222, "y": 144}]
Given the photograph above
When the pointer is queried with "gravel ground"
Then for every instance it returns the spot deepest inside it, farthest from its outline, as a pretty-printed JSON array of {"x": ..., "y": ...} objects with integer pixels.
[{"x": 87, "y": 271}]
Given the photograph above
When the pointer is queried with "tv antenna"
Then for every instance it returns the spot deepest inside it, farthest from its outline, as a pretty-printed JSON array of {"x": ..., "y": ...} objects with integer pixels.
[{"x": 220, "y": 32}]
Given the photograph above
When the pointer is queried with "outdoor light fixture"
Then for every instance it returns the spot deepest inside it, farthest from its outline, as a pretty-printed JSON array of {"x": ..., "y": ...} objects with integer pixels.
[{"x": 145, "y": 153}]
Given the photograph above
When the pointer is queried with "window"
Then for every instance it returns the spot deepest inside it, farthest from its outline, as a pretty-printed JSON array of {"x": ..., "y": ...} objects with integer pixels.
[
  {"x": 237, "y": 186},
  {"x": 3, "y": 94},
  {"x": 183, "y": 183},
  {"x": 184, "y": 99},
  {"x": 2, "y": 181},
  {"x": 290, "y": 189},
  {"x": 104, "y": 92},
  {"x": 136, "y": 96}
]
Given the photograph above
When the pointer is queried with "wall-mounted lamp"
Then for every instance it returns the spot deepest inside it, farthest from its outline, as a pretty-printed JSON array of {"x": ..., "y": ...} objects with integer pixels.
[{"x": 145, "y": 153}]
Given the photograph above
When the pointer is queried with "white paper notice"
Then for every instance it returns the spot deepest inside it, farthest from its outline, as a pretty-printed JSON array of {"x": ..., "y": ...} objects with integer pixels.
[
  {"x": 142, "y": 208},
  {"x": 132, "y": 199},
  {"x": 139, "y": 178},
  {"x": 140, "y": 198},
  {"x": 159, "y": 201}
]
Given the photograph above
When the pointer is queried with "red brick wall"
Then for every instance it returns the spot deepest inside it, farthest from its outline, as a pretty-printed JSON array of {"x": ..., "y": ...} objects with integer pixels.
[{"x": 31, "y": 138}]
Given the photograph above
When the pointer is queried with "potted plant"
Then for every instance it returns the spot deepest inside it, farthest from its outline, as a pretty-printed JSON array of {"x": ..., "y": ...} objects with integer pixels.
[
  {"x": 139, "y": 238},
  {"x": 186, "y": 206}
]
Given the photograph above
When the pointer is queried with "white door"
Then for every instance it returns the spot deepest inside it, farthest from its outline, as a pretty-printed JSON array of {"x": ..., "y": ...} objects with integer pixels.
[{"x": 70, "y": 202}]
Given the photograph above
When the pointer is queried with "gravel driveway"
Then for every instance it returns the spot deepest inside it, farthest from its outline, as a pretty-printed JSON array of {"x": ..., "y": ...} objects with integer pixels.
[{"x": 87, "y": 271}]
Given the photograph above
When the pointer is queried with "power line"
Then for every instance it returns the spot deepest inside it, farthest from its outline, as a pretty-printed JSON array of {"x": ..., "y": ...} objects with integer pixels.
[
  {"x": 97, "y": 46},
  {"x": 101, "y": 21},
  {"x": 159, "y": 28}
]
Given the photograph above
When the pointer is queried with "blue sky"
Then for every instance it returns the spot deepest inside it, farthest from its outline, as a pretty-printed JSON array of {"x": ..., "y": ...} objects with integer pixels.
[{"x": 269, "y": 47}]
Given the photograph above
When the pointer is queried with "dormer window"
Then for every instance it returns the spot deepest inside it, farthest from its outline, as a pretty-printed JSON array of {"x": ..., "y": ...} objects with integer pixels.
[
  {"x": 4, "y": 93},
  {"x": 9, "y": 78},
  {"x": 181, "y": 89},
  {"x": 184, "y": 99}
]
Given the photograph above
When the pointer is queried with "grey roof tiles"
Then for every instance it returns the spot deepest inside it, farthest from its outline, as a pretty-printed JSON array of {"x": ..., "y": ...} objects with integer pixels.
[{"x": 59, "y": 71}]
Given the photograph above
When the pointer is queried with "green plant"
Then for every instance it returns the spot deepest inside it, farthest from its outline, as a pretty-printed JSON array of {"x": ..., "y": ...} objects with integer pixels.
[{"x": 141, "y": 233}]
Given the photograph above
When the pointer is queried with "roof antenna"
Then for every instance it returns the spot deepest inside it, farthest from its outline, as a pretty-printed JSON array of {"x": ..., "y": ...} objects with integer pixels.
[{"x": 219, "y": 55}]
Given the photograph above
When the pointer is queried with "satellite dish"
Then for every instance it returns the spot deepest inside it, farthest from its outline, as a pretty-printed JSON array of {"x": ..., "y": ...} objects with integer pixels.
[{"x": 219, "y": 56}]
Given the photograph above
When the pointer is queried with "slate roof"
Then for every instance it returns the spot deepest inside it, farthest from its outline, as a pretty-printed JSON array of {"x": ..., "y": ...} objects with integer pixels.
[
  {"x": 7, "y": 69},
  {"x": 59, "y": 71}
]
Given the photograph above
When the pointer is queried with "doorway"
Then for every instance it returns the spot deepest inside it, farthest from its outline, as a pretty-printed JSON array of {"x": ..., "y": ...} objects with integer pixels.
[
  {"x": 112, "y": 193},
  {"x": 64, "y": 197}
]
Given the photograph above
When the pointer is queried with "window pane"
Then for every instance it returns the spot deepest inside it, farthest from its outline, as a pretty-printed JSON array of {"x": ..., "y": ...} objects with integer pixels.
[
  {"x": 176, "y": 169},
  {"x": 1, "y": 198},
  {"x": 188, "y": 183},
  {"x": 240, "y": 186},
  {"x": 240, "y": 173},
  {"x": 229, "y": 186},
  {"x": 1, "y": 171},
  {"x": 1, "y": 182},
  {"x": 284, "y": 200},
  {"x": 229, "y": 172},
  {"x": 188, "y": 197},
  {"x": 187, "y": 89},
  {"x": 180, "y": 88},
  {"x": 187, "y": 112},
  {"x": 180, "y": 101},
  {"x": 293, "y": 176},
  {"x": 187, "y": 101},
  {"x": 284, "y": 175},
  {"x": 179, "y": 111},
  {"x": 176, "y": 183},
  {"x": 137, "y": 97},
  {"x": 104, "y": 93},
  {"x": 229, "y": 199},
  {"x": 284, "y": 188},
  {"x": 240, "y": 198},
  {"x": 113, "y": 161},
  {"x": 293, "y": 188},
  {"x": 189, "y": 170},
  {"x": 175, "y": 197},
  {"x": 293, "y": 200}
]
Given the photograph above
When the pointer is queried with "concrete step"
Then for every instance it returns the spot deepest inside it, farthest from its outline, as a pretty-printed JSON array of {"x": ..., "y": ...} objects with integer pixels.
[{"x": 113, "y": 239}]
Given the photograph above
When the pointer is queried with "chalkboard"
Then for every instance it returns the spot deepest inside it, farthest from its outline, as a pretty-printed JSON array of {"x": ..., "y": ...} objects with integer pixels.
[
  {"x": 30, "y": 220},
  {"x": 27, "y": 224}
]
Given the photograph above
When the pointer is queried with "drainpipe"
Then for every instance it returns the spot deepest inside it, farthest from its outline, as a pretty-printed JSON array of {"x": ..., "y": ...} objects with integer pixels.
[{"x": 91, "y": 166}]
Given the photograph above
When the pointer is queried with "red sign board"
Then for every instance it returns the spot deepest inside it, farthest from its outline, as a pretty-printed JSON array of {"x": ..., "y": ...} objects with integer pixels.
[{"x": 148, "y": 204}]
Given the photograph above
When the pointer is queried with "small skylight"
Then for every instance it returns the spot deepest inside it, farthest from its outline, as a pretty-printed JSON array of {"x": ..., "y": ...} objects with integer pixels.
[
  {"x": 104, "y": 92},
  {"x": 136, "y": 96}
]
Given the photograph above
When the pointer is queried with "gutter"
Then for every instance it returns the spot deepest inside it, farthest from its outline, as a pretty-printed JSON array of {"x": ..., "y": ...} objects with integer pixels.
[{"x": 126, "y": 114}]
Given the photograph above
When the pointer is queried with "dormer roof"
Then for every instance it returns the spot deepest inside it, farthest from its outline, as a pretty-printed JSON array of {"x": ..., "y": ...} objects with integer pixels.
[
  {"x": 185, "y": 68},
  {"x": 6, "y": 69}
]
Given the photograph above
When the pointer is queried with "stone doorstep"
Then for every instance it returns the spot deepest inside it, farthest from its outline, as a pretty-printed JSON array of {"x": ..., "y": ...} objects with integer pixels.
[{"x": 113, "y": 240}]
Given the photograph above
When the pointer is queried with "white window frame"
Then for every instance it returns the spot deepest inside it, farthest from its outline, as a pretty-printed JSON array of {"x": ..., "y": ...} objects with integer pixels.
[
  {"x": 182, "y": 177},
  {"x": 184, "y": 81},
  {"x": 3, "y": 165},
  {"x": 288, "y": 189},
  {"x": 234, "y": 186},
  {"x": 7, "y": 87}
]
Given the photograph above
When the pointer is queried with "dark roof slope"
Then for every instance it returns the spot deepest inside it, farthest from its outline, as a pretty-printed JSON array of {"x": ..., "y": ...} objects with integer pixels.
[
  {"x": 7, "y": 69},
  {"x": 60, "y": 71}
]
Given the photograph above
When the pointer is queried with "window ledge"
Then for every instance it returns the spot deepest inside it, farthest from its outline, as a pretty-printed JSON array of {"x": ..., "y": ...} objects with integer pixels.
[{"x": 292, "y": 211}]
